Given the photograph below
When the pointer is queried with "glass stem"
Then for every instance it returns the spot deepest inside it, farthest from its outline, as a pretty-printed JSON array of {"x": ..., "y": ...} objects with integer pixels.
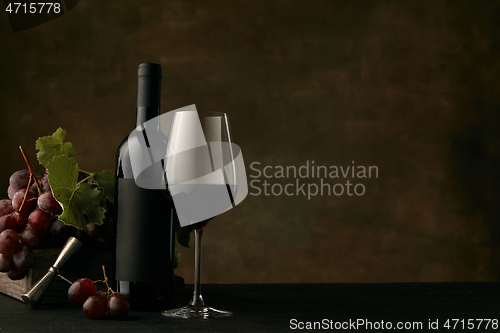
[{"x": 197, "y": 298}]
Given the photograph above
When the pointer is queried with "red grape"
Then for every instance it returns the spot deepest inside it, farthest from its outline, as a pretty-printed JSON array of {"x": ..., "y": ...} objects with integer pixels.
[
  {"x": 58, "y": 227},
  {"x": 30, "y": 237},
  {"x": 92, "y": 229},
  {"x": 45, "y": 184},
  {"x": 39, "y": 219},
  {"x": 17, "y": 273},
  {"x": 11, "y": 192},
  {"x": 95, "y": 306},
  {"x": 9, "y": 241},
  {"x": 47, "y": 203},
  {"x": 5, "y": 207},
  {"x": 118, "y": 306},
  {"x": 59, "y": 232},
  {"x": 6, "y": 263},
  {"x": 30, "y": 203},
  {"x": 21, "y": 221},
  {"x": 80, "y": 290},
  {"x": 19, "y": 179},
  {"x": 24, "y": 258},
  {"x": 8, "y": 222}
]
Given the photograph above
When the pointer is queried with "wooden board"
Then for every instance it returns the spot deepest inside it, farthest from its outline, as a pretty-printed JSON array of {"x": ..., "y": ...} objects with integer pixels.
[{"x": 86, "y": 263}]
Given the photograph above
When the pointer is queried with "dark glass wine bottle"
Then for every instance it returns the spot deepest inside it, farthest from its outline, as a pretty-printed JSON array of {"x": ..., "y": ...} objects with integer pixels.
[{"x": 144, "y": 218}]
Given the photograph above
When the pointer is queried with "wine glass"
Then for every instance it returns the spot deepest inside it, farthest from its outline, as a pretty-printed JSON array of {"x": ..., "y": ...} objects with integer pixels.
[{"x": 206, "y": 177}]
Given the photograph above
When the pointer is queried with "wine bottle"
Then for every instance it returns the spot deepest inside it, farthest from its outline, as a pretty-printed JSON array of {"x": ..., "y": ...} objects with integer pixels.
[{"x": 144, "y": 251}]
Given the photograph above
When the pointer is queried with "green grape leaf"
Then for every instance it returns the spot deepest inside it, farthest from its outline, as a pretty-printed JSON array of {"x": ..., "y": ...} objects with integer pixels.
[
  {"x": 50, "y": 146},
  {"x": 106, "y": 181},
  {"x": 80, "y": 201}
]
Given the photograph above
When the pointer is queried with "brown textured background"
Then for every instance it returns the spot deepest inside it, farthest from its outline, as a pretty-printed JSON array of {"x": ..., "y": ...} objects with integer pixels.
[{"x": 411, "y": 87}]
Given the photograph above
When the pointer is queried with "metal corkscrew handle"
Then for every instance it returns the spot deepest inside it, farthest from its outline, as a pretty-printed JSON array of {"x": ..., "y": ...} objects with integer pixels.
[{"x": 33, "y": 297}]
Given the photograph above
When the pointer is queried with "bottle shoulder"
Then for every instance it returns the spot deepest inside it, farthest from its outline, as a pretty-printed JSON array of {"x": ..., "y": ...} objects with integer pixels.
[
  {"x": 122, "y": 147},
  {"x": 123, "y": 167}
]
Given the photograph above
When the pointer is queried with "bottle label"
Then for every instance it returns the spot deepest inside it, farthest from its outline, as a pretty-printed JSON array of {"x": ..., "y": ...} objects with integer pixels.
[{"x": 144, "y": 234}]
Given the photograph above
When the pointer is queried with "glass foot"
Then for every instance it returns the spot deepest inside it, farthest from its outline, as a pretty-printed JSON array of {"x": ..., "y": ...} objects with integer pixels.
[{"x": 202, "y": 312}]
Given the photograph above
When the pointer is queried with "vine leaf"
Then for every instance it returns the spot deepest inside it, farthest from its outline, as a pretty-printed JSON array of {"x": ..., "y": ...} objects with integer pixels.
[
  {"x": 53, "y": 145},
  {"x": 80, "y": 201},
  {"x": 106, "y": 180}
]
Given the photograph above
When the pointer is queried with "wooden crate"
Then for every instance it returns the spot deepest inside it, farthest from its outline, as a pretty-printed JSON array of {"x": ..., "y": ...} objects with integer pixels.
[{"x": 85, "y": 263}]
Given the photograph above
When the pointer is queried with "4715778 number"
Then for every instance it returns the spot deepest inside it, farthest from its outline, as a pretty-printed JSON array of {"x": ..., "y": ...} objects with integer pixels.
[
  {"x": 471, "y": 324},
  {"x": 33, "y": 7}
]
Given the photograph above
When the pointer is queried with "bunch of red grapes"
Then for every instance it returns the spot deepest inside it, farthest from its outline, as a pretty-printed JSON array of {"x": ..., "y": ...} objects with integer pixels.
[
  {"x": 97, "y": 303},
  {"x": 29, "y": 219}
]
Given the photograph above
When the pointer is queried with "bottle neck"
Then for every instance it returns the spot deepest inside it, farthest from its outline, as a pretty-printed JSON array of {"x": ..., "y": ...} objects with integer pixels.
[{"x": 145, "y": 113}]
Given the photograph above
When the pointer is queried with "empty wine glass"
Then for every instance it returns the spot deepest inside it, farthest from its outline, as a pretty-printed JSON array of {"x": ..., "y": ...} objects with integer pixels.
[{"x": 206, "y": 177}]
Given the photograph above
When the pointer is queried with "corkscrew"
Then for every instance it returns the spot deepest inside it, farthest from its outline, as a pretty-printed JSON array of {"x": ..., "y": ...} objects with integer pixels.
[{"x": 33, "y": 297}]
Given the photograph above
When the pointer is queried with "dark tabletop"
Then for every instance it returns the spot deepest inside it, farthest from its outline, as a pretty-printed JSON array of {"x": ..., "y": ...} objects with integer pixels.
[{"x": 282, "y": 307}]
